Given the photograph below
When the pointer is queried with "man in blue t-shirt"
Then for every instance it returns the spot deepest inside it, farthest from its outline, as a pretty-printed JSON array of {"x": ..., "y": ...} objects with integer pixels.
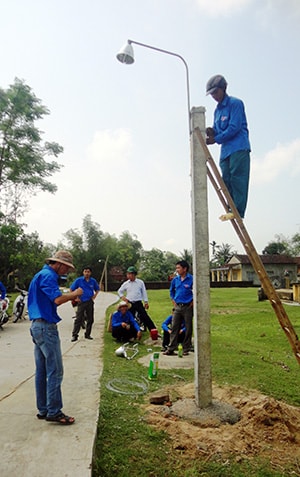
[
  {"x": 181, "y": 293},
  {"x": 85, "y": 308},
  {"x": 230, "y": 129},
  {"x": 44, "y": 296},
  {"x": 124, "y": 326}
]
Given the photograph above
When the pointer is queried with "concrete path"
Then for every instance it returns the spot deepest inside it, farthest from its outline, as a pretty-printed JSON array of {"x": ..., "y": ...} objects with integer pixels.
[{"x": 33, "y": 448}]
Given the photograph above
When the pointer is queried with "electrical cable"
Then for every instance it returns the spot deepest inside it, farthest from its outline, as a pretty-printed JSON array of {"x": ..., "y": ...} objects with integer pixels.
[{"x": 128, "y": 387}]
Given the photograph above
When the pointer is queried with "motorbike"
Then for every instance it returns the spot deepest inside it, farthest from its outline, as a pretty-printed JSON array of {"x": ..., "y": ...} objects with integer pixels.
[
  {"x": 20, "y": 306},
  {"x": 4, "y": 311}
]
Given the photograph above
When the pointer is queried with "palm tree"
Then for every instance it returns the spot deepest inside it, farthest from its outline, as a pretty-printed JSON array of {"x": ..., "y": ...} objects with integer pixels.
[
  {"x": 187, "y": 255},
  {"x": 223, "y": 254}
]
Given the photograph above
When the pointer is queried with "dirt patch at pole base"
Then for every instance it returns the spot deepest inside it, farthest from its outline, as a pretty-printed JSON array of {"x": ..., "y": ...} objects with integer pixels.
[
  {"x": 214, "y": 415},
  {"x": 267, "y": 428}
]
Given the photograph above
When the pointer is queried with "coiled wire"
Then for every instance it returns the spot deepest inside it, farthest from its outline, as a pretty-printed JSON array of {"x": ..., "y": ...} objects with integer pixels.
[{"x": 126, "y": 386}]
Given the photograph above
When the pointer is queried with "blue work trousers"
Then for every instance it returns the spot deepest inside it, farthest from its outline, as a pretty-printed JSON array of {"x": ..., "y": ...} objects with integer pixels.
[{"x": 235, "y": 172}]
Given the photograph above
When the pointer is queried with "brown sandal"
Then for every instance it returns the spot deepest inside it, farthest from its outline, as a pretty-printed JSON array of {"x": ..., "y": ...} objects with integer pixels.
[{"x": 61, "y": 418}]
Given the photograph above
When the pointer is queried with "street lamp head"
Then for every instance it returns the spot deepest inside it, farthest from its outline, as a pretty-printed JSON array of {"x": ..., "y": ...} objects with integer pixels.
[{"x": 126, "y": 54}]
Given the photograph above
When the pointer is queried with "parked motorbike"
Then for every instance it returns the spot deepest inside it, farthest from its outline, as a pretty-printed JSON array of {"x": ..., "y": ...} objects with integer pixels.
[
  {"x": 20, "y": 306},
  {"x": 4, "y": 311}
]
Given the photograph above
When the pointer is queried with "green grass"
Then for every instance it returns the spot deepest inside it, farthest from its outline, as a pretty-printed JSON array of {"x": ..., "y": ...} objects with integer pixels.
[{"x": 249, "y": 349}]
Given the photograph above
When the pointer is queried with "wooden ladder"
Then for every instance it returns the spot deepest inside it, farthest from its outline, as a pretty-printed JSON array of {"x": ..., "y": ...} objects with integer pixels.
[{"x": 238, "y": 224}]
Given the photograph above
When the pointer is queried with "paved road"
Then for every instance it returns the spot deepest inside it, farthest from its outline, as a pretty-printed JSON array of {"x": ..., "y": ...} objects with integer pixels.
[{"x": 33, "y": 448}]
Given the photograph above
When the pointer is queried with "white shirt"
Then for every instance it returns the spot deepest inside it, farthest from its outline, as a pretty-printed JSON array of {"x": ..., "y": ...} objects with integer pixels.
[{"x": 134, "y": 290}]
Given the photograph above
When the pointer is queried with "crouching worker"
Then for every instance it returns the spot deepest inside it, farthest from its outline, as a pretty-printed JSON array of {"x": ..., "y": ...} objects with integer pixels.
[
  {"x": 124, "y": 326},
  {"x": 167, "y": 330}
]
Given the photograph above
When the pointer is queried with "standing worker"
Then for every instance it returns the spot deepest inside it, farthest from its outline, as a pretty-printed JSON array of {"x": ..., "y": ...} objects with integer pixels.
[
  {"x": 231, "y": 131},
  {"x": 133, "y": 291},
  {"x": 85, "y": 308},
  {"x": 181, "y": 293},
  {"x": 44, "y": 296}
]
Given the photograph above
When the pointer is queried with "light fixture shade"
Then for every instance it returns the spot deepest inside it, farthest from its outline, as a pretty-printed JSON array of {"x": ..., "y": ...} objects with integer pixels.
[{"x": 126, "y": 54}]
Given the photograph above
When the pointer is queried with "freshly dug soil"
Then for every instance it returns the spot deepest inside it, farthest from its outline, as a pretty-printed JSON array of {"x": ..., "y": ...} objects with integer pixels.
[{"x": 266, "y": 428}]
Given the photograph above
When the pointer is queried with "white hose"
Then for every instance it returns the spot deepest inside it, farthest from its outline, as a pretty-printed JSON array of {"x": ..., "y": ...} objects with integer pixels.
[{"x": 126, "y": 386}]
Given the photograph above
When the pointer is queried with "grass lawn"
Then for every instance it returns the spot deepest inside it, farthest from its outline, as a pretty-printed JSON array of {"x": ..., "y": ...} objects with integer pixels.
[{"x": 249, "y": 349}]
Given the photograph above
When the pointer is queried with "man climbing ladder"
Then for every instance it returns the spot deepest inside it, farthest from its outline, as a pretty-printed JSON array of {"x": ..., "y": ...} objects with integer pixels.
[
  {"x": 230, "y": 129},
  {"x": 238, "y": 225}
]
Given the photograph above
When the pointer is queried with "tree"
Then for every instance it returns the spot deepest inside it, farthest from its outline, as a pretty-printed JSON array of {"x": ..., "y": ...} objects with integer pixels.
[
  {"x": 281, "y": 246},
  {"x": 222, "y": 254},
  {"x": 129, "y": 250},
  {"x": 295, "y": 243},
  {"x": 21, "y": 255},
  {"x": 23, "y": 163},
  {"x": 156, "y": 265},
  {"x": 92, "y": 247},
  {"x": 187, "y": 255}
]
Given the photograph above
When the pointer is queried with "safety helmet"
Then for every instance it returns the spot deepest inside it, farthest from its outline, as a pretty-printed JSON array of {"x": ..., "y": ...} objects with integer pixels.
[
  {"x": 131, "y": 270},
  {"x": 217, "y": 81}
]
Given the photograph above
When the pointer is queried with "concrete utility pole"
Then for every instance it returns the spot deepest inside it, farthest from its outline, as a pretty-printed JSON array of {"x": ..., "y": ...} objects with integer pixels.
[{"x": 203, "y": 379}]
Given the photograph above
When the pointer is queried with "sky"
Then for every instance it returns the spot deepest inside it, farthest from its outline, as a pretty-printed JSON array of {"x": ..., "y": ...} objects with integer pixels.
[{"x": 124, "y": 128}]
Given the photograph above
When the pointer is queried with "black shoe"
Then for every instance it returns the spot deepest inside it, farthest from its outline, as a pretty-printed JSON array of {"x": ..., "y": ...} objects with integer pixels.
[
  {"x": 88, "y": 337},
  {"x": 41, "y": 416},
  {"x": 74, "y": 338},
  {"x": 169, "y": 353}
]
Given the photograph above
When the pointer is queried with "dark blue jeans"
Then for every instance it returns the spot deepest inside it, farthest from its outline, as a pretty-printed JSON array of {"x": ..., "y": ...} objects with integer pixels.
[{"x": 49, "y": 367}]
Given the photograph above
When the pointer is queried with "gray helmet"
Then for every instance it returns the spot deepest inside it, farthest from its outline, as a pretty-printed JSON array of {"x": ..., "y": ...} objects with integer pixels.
[{"x": 217, "y": 81}]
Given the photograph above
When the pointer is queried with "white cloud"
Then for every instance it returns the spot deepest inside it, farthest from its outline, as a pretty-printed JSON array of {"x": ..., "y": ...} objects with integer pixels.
[
  {"x": 268, "y": 9},
  {"x": 110, "y": 147},
  {"x": 222, "y": 7},
  {"x": 284, "y": 158},
  {"x": 285, "y": 7}
]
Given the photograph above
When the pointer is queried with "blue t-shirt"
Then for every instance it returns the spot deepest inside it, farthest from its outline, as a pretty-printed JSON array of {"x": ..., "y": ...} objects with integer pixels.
[
  {"x": 42, "y": 292},
  {"x": 89, "y": 287},
  {"x": 3, "y": 291},
  {"x": 181, "y": 291},
  {"x": 230, "y": 126},
  {"x": 167, "y": 324},
  {"x": 118, "y": 318}
]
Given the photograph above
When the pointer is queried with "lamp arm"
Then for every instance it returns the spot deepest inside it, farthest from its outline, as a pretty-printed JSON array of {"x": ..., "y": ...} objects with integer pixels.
[{"x": 186, "y": 70}]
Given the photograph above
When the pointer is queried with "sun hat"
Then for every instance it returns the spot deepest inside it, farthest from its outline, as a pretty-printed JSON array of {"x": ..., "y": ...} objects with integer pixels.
[
  {"x": 123, "y": 303},
  {"x": 62, "y": 256}
]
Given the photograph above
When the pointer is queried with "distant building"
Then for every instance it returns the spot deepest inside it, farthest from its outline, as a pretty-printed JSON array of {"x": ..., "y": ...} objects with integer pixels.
[{"x": 280, "y": 269}]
